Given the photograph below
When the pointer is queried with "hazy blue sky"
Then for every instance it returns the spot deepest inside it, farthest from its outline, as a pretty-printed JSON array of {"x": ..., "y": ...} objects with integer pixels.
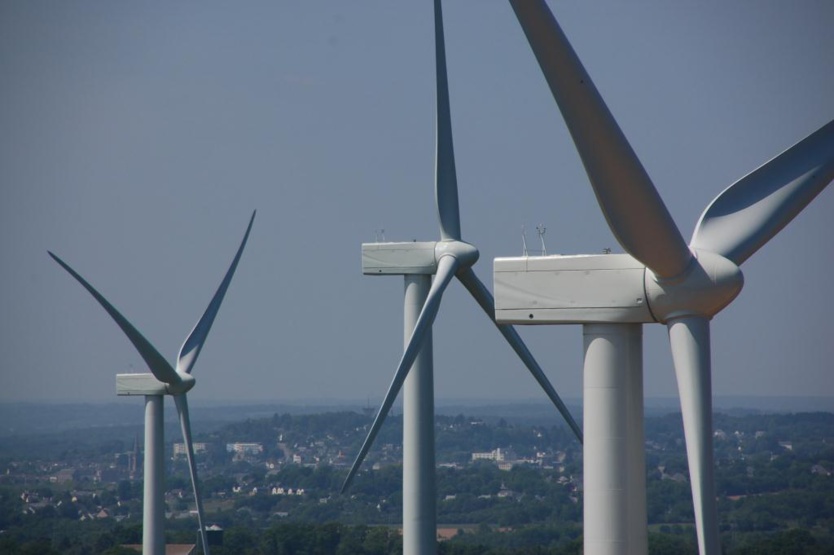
[{"x": 137, "y": 137}]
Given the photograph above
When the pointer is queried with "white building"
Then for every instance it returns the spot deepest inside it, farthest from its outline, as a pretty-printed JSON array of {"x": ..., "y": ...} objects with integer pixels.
[
  {"x": 497, "y": 455},
  {"x": 245, "y": 448},
  {"x": 181, "y": 451}
]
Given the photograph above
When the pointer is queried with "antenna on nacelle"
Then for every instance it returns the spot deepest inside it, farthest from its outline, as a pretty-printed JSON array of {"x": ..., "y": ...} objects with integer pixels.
[
  {"x": 379, "y": 235},
  {"x": 541, "y": 229},
  {"x": 523, "y": 242}
]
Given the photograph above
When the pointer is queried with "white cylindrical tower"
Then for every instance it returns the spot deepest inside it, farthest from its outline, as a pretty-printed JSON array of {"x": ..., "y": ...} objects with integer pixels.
[
  {"x": 153, "y": 515},
  {"x": 419, "y": 504},
  {"x": 613, "y": 445}
]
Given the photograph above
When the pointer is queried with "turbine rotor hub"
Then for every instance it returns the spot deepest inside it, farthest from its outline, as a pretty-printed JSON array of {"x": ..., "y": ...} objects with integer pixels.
[
  {"x": 185, "y": 384},
  {"x": 463, "y": 252},
  {"x": 709, "y": 284}
]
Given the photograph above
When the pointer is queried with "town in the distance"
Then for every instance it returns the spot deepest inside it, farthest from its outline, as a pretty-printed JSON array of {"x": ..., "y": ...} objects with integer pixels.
[{"x": 508, "y": 480}]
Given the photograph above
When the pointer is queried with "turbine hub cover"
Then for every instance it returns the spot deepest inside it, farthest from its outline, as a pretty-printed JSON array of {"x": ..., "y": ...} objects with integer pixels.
[
  {"x": 185, "y": 384},
  {"x": 463, "y": 252},
  {"x": 710, "y": 283}
]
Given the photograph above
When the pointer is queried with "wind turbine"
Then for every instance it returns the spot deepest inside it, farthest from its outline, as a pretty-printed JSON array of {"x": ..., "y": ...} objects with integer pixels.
[
  {"x": 164, "y": 380},
  {"x": 661, "y": 279},
  {"x": 417, "y": 261}
]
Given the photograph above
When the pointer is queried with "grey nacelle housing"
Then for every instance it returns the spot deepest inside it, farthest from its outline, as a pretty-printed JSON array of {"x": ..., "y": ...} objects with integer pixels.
[
  {"x": 609, "y": 288},
  {"x": 416, "y": 257},
  {"x": 570, "y": 289}
]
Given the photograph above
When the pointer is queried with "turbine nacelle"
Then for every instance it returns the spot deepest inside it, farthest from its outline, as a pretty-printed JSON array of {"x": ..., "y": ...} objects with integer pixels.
[
  {"x": 147, "y": 384},
  {"x": 586, "y": 289},
  {"x": 574, "y": 289},
  {"x": 414, "y": 257}
]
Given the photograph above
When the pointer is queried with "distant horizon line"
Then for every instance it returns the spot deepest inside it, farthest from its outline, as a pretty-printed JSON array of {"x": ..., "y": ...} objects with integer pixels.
[{"x": 371, "y": 402}]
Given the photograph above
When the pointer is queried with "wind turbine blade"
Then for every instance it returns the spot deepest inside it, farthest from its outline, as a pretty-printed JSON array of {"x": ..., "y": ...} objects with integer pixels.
[
  {"x": 446, "y": 268},
  {"x": 746, "y": 215},
  {"x": 690, "y": 341},
  {"x": 484, "y": 298},
  {"x": 157, "y": 364},
  {"x": 446, "y": 186},
  {"x": 185, "y": 424},
  {"x": 192, "y": 346},
  {"x": 632, "y": 206}
]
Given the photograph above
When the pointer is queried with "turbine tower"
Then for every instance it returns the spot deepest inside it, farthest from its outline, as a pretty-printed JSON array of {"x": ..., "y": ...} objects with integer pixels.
[
  {"x": 661, "y": 279},
  {"x": 417, "y": 262},
  {"x": 164, "y": 380}
]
